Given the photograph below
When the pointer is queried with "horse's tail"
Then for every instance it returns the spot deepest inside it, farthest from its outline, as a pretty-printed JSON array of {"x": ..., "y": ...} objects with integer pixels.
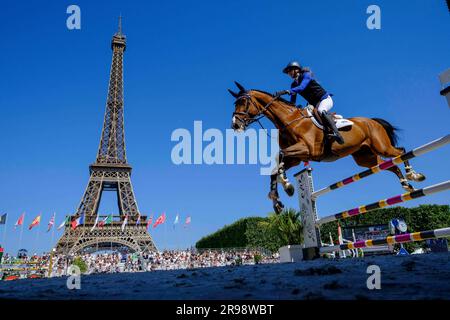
[{"x": 390, "y": 130}]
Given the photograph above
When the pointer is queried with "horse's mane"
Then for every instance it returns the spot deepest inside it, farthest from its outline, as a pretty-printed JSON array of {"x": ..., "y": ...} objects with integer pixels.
[{"x": 279, "y": 98}]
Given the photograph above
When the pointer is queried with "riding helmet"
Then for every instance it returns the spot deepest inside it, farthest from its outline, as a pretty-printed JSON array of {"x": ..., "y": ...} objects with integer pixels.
[{"x": 292, "y": 65}]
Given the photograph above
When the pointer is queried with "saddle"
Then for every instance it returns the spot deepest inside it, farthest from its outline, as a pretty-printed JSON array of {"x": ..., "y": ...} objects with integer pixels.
[{"x": 341, "y": 123}]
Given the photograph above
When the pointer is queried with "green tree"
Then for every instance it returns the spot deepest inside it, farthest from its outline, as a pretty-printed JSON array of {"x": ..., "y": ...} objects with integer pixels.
[
  {"x": 287, "y": 226},
  {"x": 277, "y": 230},
  {"x": 261, "y": 234},
  {"x": 80, "y": 264}
]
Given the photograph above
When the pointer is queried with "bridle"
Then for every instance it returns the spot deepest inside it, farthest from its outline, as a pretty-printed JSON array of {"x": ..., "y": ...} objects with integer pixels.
[{"x": 248, "y": 119}]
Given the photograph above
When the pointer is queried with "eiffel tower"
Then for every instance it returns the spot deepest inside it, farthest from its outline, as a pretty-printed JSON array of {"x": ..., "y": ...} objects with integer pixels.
[{"x": 110, "y": 172}]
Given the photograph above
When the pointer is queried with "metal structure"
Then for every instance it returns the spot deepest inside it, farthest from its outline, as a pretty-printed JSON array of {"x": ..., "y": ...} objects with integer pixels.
[
  {"x": 110, "y": 172},
  {"x": 308, "y": 197},
  {"x": 444, "y": 78},
  {"x": 399, "y": 238}
]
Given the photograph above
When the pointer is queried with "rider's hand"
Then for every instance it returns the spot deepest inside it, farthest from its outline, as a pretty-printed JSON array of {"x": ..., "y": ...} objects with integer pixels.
[{"x": 281, "y": 93}]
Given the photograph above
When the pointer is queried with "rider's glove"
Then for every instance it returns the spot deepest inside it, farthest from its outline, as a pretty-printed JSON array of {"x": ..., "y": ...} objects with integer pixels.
[{"x": 281, "y": 93}]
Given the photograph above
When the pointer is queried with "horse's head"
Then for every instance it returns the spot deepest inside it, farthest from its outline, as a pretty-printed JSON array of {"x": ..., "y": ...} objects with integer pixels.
[{"x": 246, "y": 110}]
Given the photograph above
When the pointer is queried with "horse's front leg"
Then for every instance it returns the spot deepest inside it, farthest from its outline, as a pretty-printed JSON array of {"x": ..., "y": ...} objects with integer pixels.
[
  {"x": 287, "y": 158},
  {"x": 282, "y": 178},
  {"x": 273, "y": 194},
  {"x": 291, "y": 157}
]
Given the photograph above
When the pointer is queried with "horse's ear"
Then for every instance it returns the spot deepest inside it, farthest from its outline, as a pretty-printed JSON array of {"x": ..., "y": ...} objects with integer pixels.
[
  {"x": 241, "y": 88},
  {"x": 234, "y": 94}
]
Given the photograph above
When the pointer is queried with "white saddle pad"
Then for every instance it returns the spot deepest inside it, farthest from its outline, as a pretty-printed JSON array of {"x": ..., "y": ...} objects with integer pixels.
[{"x": 338, "y": 119}]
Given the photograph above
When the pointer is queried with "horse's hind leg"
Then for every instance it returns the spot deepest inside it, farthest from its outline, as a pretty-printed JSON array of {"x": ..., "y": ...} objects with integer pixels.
[
  {"x": 382, "y": 146},
  {"x": 366, "y": 158},
  {"x": 411, "y": 174}
]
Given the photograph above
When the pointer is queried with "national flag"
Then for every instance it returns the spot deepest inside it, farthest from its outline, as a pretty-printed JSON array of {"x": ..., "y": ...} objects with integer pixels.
[
  {"x": 105, "y": 221},
  {"x": 161, "y": 219},
  {"x": 149, "y": 222},
  {"x": 75, "y": 223},
  {"x": 177, "y": 218},
  {"x": 63, "y": 223},
  {"x": 95, "y": 223},
  {"x": 20, "y": 220},
  {"x": 188, "y": 221},
  {"x": 3, "y": 219},
  {"x": 138, "y": 221},
  {"x": 35, "y": 222},
  {"x": 125, "y": 221},
  {"x": 51, "y": 222}
]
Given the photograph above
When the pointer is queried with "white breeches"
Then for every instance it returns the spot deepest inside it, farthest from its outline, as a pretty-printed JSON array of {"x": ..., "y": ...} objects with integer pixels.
[{"x": 325, "y": 105}]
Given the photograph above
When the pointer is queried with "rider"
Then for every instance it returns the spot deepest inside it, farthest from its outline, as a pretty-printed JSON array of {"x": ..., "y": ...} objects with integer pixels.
[{"x": 305, "y": 85}]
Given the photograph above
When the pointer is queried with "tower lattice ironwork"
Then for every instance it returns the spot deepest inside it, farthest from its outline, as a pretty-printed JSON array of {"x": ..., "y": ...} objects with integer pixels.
[{"x": 110, "y": 172}]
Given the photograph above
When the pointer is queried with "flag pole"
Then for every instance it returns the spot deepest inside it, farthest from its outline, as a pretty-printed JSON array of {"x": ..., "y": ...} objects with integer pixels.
[
  {"x": 53, "y": 228},
  {"x": 112, "y": 231},
  {"x": 20, "y": 237},
  {"x": 4, "y": 231},
  {"x": 189, "y": 234},
  {"x": 39, "y": 228}
]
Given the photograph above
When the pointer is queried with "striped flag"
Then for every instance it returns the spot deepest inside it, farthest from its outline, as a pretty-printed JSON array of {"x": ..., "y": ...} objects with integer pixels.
[
  {"x": 78, "y": 221},
  {"x": 188, "y": 221},
  {"x": 177, "y": 218},
  {"x": 20, "y": 220},
  {"x": 51, "y": 222},
  {"x": 161, "y": 219},
  {"x": 149, "y": 222},
  {"x": 105, "y": 221},
  {"x": 138, "y": 221},
  {"x": 66, "y": 219},
  {"x": 125, "y": 221},
  {"x": 35, "y": 222},
  {"x": 95, "y": 223}
]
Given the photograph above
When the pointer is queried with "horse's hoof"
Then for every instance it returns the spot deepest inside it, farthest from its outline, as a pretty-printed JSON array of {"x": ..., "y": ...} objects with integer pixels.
[
  {"x": 408, "y": 188},
  {"x": 414, "y": 176},
  {"x": 289, "y": 189},
  {"x": 278, "y": 207}
]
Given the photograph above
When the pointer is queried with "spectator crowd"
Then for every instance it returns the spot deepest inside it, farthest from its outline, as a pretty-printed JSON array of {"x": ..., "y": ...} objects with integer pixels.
[{"x": 111, "y": 262}]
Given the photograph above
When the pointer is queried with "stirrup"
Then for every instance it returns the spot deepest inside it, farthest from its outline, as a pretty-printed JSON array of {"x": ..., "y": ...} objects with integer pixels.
[{"x": 336, "y": 138}]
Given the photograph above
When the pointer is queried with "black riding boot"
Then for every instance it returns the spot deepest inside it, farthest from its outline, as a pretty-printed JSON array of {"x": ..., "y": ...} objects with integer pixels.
[{"x": 330, "y": 122}]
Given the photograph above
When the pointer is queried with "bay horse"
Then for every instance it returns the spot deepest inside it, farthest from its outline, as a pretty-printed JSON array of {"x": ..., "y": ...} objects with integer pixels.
[{"x": 367, "y": 140}]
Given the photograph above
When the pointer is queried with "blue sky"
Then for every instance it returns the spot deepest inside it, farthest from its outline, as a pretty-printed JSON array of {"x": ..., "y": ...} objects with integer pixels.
[{"x": 180, "y": 59}]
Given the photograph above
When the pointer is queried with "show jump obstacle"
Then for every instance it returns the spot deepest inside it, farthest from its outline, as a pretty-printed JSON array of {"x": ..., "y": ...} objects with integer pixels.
[{"x": 311, "y": 223}]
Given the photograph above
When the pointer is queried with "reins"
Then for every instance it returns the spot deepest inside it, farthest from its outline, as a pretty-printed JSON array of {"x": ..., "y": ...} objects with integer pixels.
[{"x": 261, "y": 114}]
